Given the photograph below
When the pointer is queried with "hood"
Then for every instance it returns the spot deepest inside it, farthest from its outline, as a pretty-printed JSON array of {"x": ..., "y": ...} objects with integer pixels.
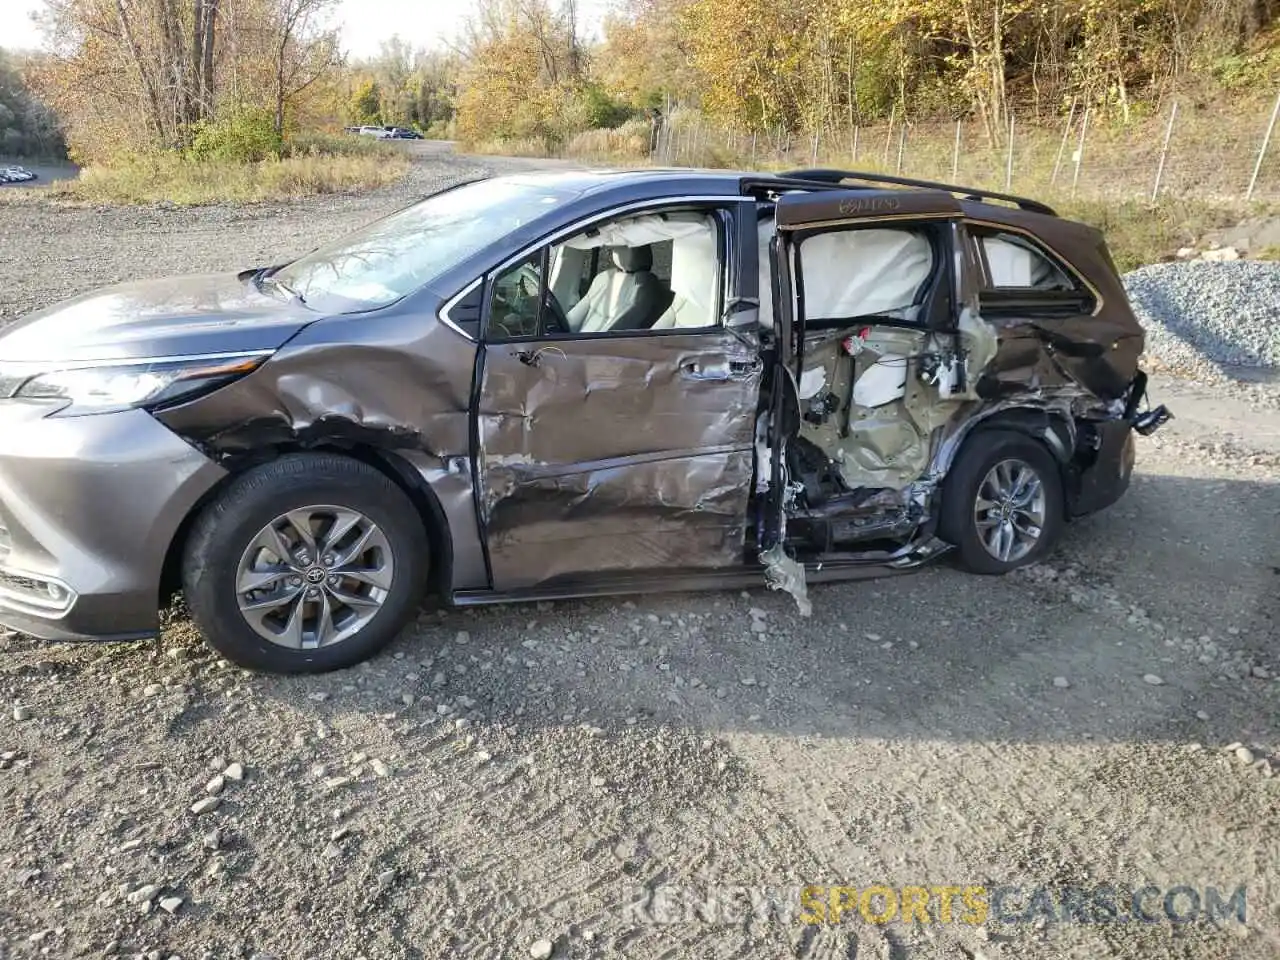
[{"x": 177, "y": 316}]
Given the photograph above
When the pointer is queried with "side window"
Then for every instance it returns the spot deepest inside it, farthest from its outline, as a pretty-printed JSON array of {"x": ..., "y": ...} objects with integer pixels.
[
  {"x": 1014, "y": 263},
  {"x": 656, "y": 271},
  {"x": 1021, "y": 279},
  {"x": 515, "y": 306}
]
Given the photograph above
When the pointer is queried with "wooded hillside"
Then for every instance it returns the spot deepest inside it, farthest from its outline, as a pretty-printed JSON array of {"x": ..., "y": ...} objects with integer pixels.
[{"x": 761, "y": 65}]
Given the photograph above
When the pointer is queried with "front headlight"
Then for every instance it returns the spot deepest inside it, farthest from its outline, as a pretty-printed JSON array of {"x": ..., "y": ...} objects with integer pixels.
[{"x": 97, "y": 389}]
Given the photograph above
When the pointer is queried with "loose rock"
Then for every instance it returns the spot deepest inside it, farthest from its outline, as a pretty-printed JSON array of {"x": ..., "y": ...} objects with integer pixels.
[{"x": 144, "y": 893}]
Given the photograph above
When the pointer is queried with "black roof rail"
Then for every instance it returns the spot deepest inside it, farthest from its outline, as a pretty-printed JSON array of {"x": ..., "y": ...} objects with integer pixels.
[{"x": 834, "y": 177}]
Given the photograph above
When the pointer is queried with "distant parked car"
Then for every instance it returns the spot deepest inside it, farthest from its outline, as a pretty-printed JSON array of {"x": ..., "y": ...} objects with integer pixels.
[
  {"x": 402, "y": 133},
  {"x": 16, "y": 175},
  {"x": 378, "y": 132}
]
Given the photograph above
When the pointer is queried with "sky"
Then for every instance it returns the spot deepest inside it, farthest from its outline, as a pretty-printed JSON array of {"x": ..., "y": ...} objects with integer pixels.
[{"x": 362, "y": 24}]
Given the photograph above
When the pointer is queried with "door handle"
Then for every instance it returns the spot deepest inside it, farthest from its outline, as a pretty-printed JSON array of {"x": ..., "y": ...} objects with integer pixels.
[{"x": 718, "y": 368}]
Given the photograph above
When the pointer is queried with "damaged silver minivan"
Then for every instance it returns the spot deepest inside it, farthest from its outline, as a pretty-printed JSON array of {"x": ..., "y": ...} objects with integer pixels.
[{"x": 563, "y": 385}]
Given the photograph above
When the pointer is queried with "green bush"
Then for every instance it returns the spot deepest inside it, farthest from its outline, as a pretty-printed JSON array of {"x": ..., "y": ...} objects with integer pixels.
[
  {"x": 603, "y": 110},
  {"x": 242, "y": 136},
  {"x": 439, "y": 130}
]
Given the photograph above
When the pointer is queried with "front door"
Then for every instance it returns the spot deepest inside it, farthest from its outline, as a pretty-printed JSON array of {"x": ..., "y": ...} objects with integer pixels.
[{"x": 616, "y": 409}]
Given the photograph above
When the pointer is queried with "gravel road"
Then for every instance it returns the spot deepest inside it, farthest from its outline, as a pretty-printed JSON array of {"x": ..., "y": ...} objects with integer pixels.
[{"x": 503, "y": 782}]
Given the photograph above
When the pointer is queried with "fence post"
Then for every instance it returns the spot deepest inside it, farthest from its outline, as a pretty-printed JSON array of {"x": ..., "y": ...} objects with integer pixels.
[
  {"x": 753, "y": 150},
  {"x": 888, "y": 137},
  {"x": 902, "y": 147},
  {"x": 1084, "y": 128},
  {"x": 855, "y": 144},
  {"x": 1164, "y": 152},
  {"x": 1062, "y": 147},
  {"x": 1266, "y": 142},
  {"x": 1008, "y": 163},
  {"x": 813, "y": 154},
  {"x": 955, "y": 155}
]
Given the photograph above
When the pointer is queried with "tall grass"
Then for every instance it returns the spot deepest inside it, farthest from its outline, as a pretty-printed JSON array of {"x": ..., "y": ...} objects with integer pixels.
[
  {"x": 178, "y": 180},
  {"x": 628, "y": 143}
]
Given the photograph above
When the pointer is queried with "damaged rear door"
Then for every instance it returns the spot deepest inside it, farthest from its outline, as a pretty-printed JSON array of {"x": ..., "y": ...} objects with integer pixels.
[
  {"x": 615, "y": 416},
  {"x": 881, "y": 351}
]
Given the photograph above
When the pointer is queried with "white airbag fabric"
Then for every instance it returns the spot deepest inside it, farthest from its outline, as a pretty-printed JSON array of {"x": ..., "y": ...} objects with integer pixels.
[
  {"x": 1013, "y": 265},
  {"x": 882, "y": 382},
  {"x": 857, "y": 273},
  {"x": 694, "y": 280},
  {"x": 764, "y": 235},
  {"x": 641, "y": 231},
  {"x": 1010, "y": 264}
]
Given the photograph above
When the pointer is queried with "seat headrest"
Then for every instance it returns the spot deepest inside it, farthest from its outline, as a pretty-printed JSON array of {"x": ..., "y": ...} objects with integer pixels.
[{"x": 632, "y": 259}]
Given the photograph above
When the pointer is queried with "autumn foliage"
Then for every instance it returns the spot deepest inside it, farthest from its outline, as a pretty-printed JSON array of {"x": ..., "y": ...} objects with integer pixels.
[
  {"x": 129, "y": 77},
  {"x": 768, "y": 65}
]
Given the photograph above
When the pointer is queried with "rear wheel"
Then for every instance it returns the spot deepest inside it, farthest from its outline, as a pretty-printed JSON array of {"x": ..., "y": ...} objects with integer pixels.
[
  {"x": 305, "y": 564},
  {"x": 1002, "y": 503}
]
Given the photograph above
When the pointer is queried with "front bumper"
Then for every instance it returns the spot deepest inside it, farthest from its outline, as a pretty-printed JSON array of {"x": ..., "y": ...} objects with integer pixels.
[{"x": 88, "y": 509}]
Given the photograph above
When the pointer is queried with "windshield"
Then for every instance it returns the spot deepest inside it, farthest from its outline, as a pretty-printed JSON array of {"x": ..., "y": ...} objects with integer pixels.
[{"x": 397, "y": 255}]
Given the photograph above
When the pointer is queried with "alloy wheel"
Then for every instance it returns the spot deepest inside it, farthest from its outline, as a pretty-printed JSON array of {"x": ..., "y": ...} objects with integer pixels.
[
  {"x": 314, "y": 577},
  {"x": 1009, "y": 510}
]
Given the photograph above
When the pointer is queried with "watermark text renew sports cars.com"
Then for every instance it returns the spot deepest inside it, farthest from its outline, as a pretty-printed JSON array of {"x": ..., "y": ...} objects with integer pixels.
[{"x": 967, "y": 904}]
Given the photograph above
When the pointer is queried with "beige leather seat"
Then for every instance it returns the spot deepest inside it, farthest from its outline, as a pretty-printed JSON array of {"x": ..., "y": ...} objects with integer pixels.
[{"x": 626, "y": 296}]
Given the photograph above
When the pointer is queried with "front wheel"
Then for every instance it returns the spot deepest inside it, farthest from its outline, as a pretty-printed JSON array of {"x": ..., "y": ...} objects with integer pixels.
[
  {"x": 1002, "y": 502},
  {"x": 305, "y": 564}
]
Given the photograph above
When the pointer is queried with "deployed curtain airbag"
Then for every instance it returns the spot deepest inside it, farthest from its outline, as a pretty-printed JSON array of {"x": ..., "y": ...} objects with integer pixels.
[
  {"x": 858, "y": 273},
  {"x": 641, "y": 231}
]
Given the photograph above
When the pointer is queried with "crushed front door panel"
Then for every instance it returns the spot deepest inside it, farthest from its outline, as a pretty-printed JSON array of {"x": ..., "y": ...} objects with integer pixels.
[{"x": 615, "y": 454}]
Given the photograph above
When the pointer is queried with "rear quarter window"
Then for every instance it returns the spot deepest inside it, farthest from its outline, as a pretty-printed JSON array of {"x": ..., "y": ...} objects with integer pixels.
[{"x": 1021, "y": 277}]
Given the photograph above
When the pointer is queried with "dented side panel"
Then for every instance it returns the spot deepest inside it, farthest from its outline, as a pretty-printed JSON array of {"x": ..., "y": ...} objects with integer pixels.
[
  {"x": 397, "y": 383},
  {"x": 616, "y": 454}
]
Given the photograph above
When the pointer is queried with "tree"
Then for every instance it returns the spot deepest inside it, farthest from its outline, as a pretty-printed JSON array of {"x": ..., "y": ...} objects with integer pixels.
[
  {"x": 28, "y": 128},
  {"x": 365, "y": 104},
  {"x": 128, "y": 76},
  {"x": 303, "y": 51},
  {"x": 523, "y": 73}
]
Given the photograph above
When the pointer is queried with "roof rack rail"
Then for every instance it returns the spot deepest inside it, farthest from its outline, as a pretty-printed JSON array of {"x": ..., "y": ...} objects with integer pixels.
[{"x": 968, "y": 193}]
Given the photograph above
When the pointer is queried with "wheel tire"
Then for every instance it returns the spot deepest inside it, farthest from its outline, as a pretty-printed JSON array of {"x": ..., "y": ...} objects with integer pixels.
[
  {"x": 958, "y": 523},
  {"x": 251, "y": 501}
]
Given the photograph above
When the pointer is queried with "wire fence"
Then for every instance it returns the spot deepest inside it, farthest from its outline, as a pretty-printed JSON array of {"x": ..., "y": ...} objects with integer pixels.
[{"x": 1183, "y": 151}]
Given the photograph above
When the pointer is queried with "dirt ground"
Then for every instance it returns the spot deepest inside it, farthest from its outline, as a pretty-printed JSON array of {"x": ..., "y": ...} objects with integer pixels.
[{"x": 581, "y": 773}]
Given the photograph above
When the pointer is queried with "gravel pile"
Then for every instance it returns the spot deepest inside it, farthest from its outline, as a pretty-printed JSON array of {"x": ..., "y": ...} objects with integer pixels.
[{"x": 1202, "y": 318}]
